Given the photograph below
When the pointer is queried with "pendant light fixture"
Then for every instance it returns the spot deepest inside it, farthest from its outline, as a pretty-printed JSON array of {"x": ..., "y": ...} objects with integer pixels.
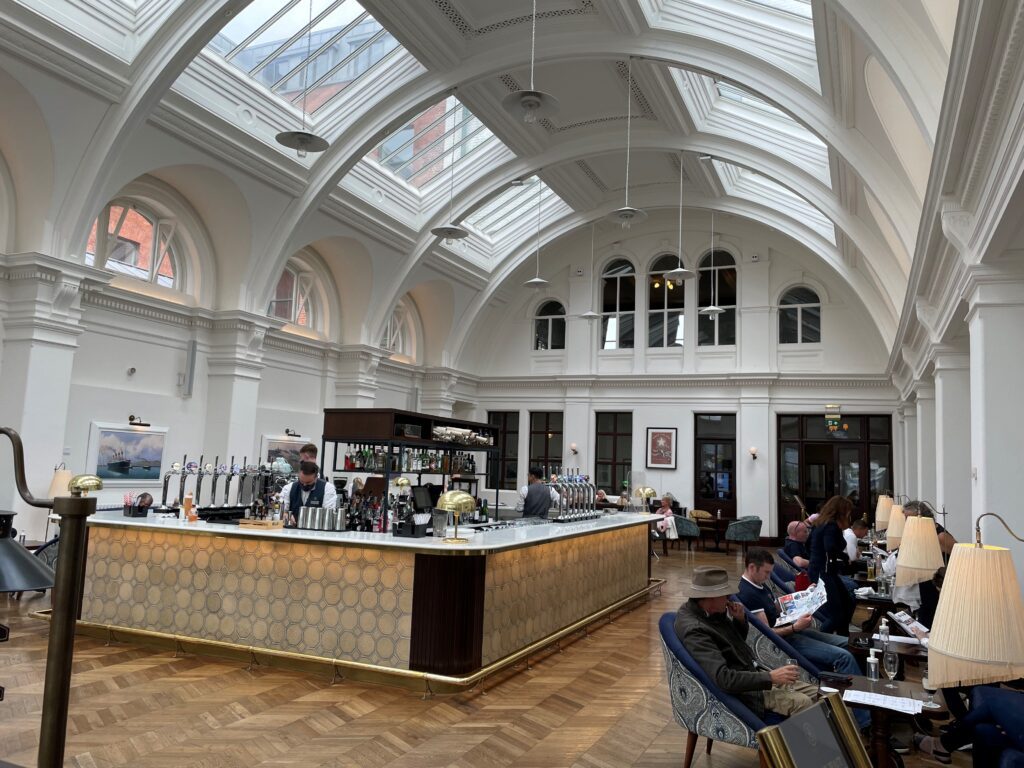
[
  {"x": 532, "y": 104},
  {"x": 713, "y": 309},
  {"x": 626, "y": 215},
  {"x": 590, "y": 314},
  {"x": 537, "y": 281},
  {"x": 450, "y": 231},
  {"x": 303, "y": 141},
  {"x": 680, "y": 273}
]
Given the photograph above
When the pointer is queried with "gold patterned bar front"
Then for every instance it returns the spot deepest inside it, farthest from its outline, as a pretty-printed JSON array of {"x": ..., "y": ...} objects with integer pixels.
[{"x": 328, "y": 601}]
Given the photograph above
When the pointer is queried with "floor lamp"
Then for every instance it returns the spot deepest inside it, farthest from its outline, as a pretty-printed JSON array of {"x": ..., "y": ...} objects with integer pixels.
[{"x": 67, "y": 595}]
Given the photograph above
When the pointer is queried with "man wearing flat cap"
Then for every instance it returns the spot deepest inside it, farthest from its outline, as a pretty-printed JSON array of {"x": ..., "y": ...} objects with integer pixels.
[{"x": 714, "y": 630}]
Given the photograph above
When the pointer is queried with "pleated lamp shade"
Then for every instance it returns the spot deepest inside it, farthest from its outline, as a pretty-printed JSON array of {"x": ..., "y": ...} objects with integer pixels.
[
  {"x": 882, "y": 509},
  {"x": 895, "y": 530},
  {"x": 977, "y": 636},
  {"x": 920, "y": 555},
  {"x": 59, "y": 483}
]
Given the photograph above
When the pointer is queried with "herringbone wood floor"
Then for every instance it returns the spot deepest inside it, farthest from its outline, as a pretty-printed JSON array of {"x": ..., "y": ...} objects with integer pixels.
[{"x": 600, "y": 703}]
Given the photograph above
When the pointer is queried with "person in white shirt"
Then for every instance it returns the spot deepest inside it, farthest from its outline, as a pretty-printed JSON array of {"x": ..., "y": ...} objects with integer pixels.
[
  {"x": 858, "y": 530},
  {"x": 309, "y": 490},
  {"x": 909, "y": 594}
]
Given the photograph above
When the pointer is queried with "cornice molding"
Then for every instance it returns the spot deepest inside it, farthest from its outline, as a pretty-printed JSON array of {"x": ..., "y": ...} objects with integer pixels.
[{"x": 730, "y": 381}]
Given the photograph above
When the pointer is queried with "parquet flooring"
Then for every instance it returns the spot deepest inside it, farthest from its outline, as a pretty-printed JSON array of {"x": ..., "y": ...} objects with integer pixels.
[{"x": 601, "y": 702}]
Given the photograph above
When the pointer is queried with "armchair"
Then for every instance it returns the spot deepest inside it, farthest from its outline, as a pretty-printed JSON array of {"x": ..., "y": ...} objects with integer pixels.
[
  {"x": 787, "y": 562},
  {"x": 744, "y": 530},
  {"x": 687, "y": 529},
  {"x": 701, "y": 707}
]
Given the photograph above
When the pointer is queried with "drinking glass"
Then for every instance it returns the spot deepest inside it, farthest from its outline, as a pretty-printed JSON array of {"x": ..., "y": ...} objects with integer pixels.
[
  {"x": 792, "y": 663},
  {"x": 891, "y": 663},
  {"x": 926, "y": 684}
]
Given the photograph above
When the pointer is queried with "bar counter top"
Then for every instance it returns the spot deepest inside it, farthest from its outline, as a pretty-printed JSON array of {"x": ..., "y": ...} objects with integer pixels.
[{"x": 480, "y": 542}]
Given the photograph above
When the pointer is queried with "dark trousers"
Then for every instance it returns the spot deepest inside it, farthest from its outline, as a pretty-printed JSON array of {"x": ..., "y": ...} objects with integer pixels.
[{"x": 995, "y": 723}]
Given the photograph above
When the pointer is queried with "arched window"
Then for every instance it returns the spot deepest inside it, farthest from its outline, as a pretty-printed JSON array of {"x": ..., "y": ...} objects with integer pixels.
[
  {"x": 549, "y": 326},
  {"x": 292, "y": 300},
  {"x": 132, "y": 240},
  {"x": 399, "y": 334},
  {"x": 664, "y": 305},
  {"x": 618, "y": 305},
  {"x": 799, "y": 316},
  {"x": 717, "y": 289}
]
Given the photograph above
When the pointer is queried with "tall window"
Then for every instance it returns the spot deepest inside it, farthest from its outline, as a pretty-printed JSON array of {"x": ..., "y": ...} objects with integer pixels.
[
  {"x": 546, "y": 440},
  {"x": 799, "y": 317},
  {"x": 664, "y": 305},
  {"x": 717, "y": 287},
  {"x": 397, "y": 337},
  {"x": 715, "y": 462},
  {"x": 549, "y": 326},
  {"x": 291, "y": 301},
  {"x": 502, "y": 473},
  {"x": 618, "y": 305},
  {"x": 133, "y": 241},
  {"x": 614, "y": 456}
]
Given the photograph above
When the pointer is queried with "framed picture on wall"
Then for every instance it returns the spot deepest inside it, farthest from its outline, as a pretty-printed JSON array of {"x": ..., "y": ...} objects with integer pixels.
[
  {"x": 272, "y": 446},
  {"x": 121, "y": 455},
  {"x": 661, "y": 447}
]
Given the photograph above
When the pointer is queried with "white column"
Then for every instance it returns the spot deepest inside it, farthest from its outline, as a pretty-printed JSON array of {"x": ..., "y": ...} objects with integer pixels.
[
  {"x": 952, "y": 441},
  {"x": 41, "y": 326},
  {"x": 754, "y": 476},
  {"x": 909, "y": 484},
  {"x": 577, "y": 427},
  {"x": 437, "y": 396},
  {"x": 995, "y": 319},
  {"x": 925, "y": 442},
  {"x": 356, "y": 371}
]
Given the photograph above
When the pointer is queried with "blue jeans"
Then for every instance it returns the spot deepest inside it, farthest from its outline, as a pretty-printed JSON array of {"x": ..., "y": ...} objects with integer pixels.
[{"x": 828, "y": 653}]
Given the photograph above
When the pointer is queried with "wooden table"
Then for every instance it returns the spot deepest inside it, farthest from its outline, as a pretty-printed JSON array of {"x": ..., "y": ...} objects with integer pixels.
[
  {"x": 715, "y": 525},
  {"x": 912, "y": 654},
  {"x": 881, "y": 723},
  {"x": 879, "y": 606}
]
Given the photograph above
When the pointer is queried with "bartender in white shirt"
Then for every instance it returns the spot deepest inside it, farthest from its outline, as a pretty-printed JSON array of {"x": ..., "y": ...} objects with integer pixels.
[{"x": 308, "y": 491}]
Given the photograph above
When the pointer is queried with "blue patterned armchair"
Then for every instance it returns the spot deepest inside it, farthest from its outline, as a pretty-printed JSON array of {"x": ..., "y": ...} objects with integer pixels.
[
  {"x": 787, "y": 562},
  {"x": 745, "y": 530},
  {"x": 701, "y": 707},
  {"x": 783, "y": 578},
  {"x": 687, "y": 529}
]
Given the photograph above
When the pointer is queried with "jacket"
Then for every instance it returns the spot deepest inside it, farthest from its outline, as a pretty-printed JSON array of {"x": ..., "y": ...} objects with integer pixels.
[{"x": 718, "y": 644}]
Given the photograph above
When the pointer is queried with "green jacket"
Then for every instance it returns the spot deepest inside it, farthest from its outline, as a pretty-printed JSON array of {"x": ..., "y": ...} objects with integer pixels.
[{"x": 718, "y": 644}]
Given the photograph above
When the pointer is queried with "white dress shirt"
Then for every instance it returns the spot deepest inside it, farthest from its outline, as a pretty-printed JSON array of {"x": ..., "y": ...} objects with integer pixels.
[
  {"x": 851, "y": 544},
  {"x": 330, "y": 497}
]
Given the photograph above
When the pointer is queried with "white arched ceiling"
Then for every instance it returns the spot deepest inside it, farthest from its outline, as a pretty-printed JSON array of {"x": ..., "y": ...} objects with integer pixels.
[
  {"x": 434, "y": 300},
  {"x": 351, "y": 270},
  {"x": 8, "y": 208}
]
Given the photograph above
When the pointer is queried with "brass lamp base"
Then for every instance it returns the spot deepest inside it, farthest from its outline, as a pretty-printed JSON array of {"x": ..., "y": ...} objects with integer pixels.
[{"x": 455, "y": 540}]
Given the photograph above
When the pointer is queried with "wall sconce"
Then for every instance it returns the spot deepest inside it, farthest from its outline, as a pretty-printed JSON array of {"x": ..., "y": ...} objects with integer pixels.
[
  {"x": 753, "y": 452},
  {"x": 136, "y": 421},
  {"x": 573, "y": 449},
  {"x": 291, "y": 432}
]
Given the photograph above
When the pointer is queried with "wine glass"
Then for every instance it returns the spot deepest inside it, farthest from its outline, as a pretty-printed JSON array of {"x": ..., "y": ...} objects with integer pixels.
[
  {"x": 930, "y": 689},
  {"x": 891, "y": 664}
]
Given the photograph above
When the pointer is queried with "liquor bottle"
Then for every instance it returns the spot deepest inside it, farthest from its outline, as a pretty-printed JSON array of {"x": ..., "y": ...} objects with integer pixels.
[{"x": 483, "y": 511}]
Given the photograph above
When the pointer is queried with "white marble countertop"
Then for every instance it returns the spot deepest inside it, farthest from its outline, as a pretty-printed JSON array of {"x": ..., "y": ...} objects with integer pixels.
[{"x": 479, "y": 542}]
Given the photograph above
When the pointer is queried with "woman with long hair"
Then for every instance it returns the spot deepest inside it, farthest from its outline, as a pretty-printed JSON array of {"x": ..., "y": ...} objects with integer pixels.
[{"x": 828, "y": 556}]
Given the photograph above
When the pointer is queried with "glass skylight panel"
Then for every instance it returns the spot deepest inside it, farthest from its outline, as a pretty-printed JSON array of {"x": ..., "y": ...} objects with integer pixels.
[
  {"x": 278, "y": 44},
  {"x": 513, "y": 204},
  {"x": 738, "y": 95},
  {"x": 422, "y": 148},
  {"x": 800, "y": 8}
]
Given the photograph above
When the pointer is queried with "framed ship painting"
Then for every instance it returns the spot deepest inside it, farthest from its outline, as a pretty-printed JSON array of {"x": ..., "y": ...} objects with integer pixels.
[
  {"x": 123, "y": 455},
  {"x": 661, "y": 447},
  {"x": 287, "y": 447}
]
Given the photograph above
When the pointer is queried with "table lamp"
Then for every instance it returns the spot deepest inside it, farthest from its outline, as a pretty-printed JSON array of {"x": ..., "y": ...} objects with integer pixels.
[
  {"x": 882, "y": 509},
  {"x": 645, "y": 493},
  {"x": 58, "y": 487},
  {"x": 977, "y": 635},
  {"x": 402, "y": 483},
  {"x": 920, "y": 555},
  {"x": 894, "y": 532},
  {"x": 458, "y": 503}
]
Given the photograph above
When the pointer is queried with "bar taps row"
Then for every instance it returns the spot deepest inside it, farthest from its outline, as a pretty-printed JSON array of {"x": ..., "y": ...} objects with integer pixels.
[
  {"x": 248, "y": 485},
  {"x": 577, "y": 497}
]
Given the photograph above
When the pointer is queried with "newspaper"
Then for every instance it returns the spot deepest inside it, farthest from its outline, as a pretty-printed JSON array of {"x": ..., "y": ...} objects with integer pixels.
[{"x": 797, "y": 604}]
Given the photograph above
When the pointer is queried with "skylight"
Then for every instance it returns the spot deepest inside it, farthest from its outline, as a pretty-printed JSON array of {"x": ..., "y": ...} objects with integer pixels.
[
  {"x": 270, "y": 40},
  {"x": 422, "y": 148},
  {"x": 801, "y": 8},
  {"x": 517, "y": 207},
  {"x": 738, "y": 95}
]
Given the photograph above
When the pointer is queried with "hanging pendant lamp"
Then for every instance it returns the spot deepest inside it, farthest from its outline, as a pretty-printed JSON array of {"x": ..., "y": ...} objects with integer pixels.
[
  {"x": 537, "y": 281},
  {"x": 303, "y": 141},
  {"x": 680, "y": 273},
  {"x": 713, "y": 308},
  {"x": 590, "y": 314},
  {"x": 531, "y": 105},
  {"x": 627, "y": 215},
  {"x": 450, "y": 231}
]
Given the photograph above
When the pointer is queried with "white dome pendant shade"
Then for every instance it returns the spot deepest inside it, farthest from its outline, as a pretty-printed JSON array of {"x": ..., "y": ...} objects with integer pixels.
[
  {"x": 450, "y": 231},
  {"x": 531, "y": 105},
  {"x": 712, "y": 309},
  {"x": 302, "y": 141},
  {"x": 537, "y": 282},
  {"x": 680, "y": 273},
  {"x": 627, "y": 215}
]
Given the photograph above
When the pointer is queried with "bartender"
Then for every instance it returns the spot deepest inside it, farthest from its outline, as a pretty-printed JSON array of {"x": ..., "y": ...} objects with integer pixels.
[
  {"x": 308, "y": 491},
  {"x": 538, "y": 498}
]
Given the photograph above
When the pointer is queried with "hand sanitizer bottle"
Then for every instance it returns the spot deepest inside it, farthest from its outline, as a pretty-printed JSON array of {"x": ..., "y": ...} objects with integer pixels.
[
  {"x": 883, "y": 634},
  {"x": 873, "y": 665}
]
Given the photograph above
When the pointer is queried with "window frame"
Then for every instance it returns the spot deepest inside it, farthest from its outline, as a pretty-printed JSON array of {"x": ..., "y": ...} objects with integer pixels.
[
  {"x": 716, "y": 293},
  {"x": 549, "y": 319},
  {"x": 619, "y": 313},
  {"x": 503, "y": 469},
  {"x": 549, "y": 458},
  {"x": 614, "y": 462},
  {"x": 800, "y": 314},
  {"x": 298, "y": 297},
  {"x": 164, "y": 243},
  {"x": 665, "y": 311}
]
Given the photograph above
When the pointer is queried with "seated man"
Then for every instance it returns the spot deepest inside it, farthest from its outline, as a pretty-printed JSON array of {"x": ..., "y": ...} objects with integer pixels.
[
  {"x": 714, "y": 631},
  {"x": 796, "y": 543},
  {"x": 858, "y": 530},
  {"x": 915, "y": 508}
]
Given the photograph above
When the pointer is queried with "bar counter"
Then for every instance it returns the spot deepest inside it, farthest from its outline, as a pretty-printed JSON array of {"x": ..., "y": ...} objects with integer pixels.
[{"x": 366, "y": 600}]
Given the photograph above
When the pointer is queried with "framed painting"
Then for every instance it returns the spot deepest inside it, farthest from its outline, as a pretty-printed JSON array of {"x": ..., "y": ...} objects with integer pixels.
[
  {"x": 122, "y": 455},
  {"x": 661, "y": 447},
  {"x": 273, "y": 446}
]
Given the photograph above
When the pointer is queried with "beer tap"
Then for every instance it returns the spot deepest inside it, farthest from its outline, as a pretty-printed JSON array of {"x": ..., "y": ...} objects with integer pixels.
[
  {"x": 201, "y": 470},
  {"x": 233, "y": 469},
  {"x": 218, "y": 470},
  {"x": 175, "y": 470},
  {"x": 185, "y": 470}
]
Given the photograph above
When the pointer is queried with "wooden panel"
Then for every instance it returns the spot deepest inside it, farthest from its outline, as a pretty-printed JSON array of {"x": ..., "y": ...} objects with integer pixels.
[{"x": 447, "y": 614}]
